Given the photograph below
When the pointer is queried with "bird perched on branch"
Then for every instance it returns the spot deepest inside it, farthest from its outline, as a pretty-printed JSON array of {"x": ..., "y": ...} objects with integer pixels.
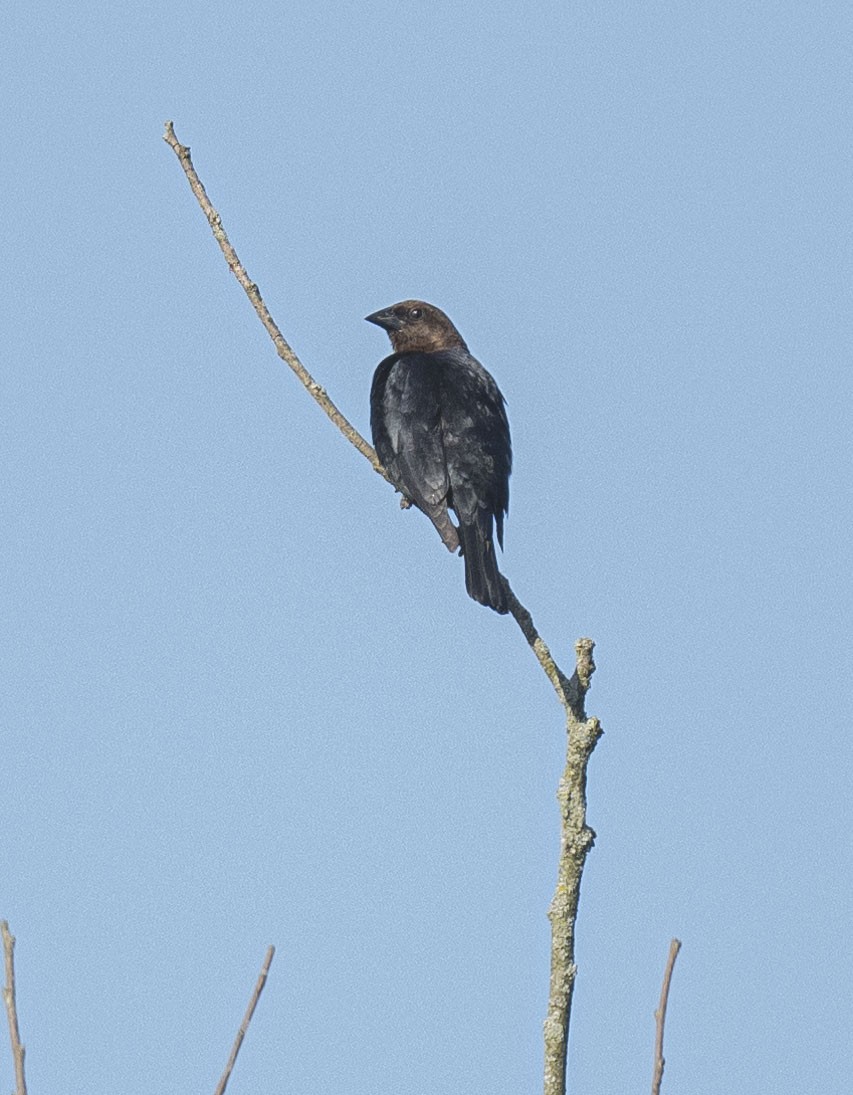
[{"x": 440, "y": 428}]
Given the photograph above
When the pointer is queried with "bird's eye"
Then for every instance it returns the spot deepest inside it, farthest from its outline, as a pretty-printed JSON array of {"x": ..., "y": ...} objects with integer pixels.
[{"x": 414, "y": 313}]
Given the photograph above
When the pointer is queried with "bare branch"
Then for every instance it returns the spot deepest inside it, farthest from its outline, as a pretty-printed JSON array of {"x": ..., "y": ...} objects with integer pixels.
[
  {"x": 247, "y": 1018},
  {"x": 18, "y": 1050},
  {"x": 660, "y": 1016},
  {"x": 282, "y": 347},
  {"x": 583, "y": 733},
  {"x": 566, "y": 688},
  {"x": 567, "y": 692},
  {"x": 576, "y": 839}
]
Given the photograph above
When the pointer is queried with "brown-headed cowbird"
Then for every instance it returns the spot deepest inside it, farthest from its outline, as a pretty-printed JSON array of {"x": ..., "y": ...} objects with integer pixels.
[{"x": 440, "y": 428}]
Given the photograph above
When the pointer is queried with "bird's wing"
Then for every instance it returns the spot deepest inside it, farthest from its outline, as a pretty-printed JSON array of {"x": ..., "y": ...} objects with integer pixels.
[
  {"x": 405, "y": 418},
  {"x": 476, "y": 437}
]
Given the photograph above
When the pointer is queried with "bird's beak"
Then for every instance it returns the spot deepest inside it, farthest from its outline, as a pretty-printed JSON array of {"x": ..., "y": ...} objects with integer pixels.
[{"x": 385, "y": 319}]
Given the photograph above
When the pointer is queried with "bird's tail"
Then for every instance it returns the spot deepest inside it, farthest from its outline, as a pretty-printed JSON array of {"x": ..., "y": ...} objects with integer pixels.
[{"x": 482, "y": 578}]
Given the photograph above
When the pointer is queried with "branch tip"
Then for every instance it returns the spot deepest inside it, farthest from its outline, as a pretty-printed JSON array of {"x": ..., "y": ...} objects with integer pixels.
[
  {"x": 18, "y": 1051},
  {"x": 282, "y": 347},
  {"x": 247, "y": 1018},
  {"x": 660, "y": 1016}
]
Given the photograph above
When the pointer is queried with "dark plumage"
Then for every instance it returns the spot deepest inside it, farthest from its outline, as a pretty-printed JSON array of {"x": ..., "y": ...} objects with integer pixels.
[{"x": 440, "y": 428}]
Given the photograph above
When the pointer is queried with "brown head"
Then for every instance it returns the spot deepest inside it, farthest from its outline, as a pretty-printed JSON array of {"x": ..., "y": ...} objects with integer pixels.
[{"x": 413, "y": 325}]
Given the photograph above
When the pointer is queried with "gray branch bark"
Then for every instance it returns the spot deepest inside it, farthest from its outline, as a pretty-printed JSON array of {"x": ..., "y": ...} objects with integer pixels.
[
  {"x": 247, "y": 1018},
  {"x": 660, "y": 1016},
  {"x": 11, "y": 1003}
]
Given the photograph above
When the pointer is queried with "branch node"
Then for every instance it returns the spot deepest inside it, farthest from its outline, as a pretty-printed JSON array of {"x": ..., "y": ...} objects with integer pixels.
[{"x": 584, "y": 662}]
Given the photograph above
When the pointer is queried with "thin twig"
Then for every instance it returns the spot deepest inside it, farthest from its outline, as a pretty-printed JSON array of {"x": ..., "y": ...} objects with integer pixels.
[
  {"x": 565, "y": 688},
  {"x": 660, "y": 1016},
  {"x": 283, "y": 349},
  {"x": 18, "y": 1050},
  {"x": 583, "y": 733},
  {"x": 247, "y": 1018}
]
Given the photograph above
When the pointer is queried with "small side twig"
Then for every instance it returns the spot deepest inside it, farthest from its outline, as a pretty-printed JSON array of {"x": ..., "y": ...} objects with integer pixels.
[
  {"x": 247, "y": 1018},
  {"x": 18, "y": 1050},
  {"x": 660, "y": 1016}
]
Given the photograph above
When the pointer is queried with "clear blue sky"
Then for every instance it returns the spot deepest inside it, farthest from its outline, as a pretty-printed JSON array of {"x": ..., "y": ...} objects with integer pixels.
[{"x": 244, "y": 698}]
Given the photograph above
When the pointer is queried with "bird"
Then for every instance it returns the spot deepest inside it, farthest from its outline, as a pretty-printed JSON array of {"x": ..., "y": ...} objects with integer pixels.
[{"x": 440, "y": 429}]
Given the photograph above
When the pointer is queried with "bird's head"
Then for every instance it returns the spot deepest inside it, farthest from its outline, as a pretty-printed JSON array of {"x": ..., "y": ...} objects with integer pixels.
[{"x": 413, "y": 325}]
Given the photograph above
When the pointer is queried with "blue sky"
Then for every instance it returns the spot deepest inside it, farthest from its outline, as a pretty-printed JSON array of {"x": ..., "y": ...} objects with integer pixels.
[{"x": 245, "y": 699}]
